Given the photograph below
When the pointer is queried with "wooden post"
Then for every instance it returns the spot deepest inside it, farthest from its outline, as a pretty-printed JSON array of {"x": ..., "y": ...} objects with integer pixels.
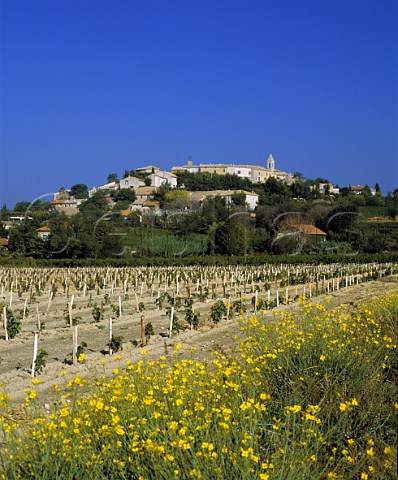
[
  {"x": 277, "y": 299},
  {"x": 5, "y": 322},
  {"x": 110, "y": 335},
  {"x": 74, "y": 345},
  {"x": 171, "y": 321},
  {"x": 38, "y": 318},
  {"x": 255, "y": 301},
  {"x": 143, "y": 338},
  {"x": 120, "y": 306},
  {"x": 136, "y": 302},
  {"x": 35, "y": 340},
  {"x": 49, "y": 301},
  {"x": 70, "y": 310}
]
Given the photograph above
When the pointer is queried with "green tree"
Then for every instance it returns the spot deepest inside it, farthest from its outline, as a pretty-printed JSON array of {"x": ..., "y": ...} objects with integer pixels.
[
  {"x": 4, "y": 213},
  {"x": 79, "y": 190},
  {"x": 232, "y": 238},
  {"x": 124, "y": 194},
  {"x": 96, "y": 205},
  {"x": 24, "y": 241},
  {"x": 178, "y": 199},
  {"x": 21, "y": 207},
  {"x": 238, "y": 199},
  {"x": 112, "y": 177}
]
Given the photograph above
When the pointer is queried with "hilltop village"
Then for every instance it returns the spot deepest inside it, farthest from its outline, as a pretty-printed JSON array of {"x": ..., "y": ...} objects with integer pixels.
[
  {"x": 145, "y": 182},
  {"x": 198, "y": 209}
]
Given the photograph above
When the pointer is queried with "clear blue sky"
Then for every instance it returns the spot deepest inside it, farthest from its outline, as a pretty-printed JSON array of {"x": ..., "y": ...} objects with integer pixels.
[{"x": 90, "y": 87}]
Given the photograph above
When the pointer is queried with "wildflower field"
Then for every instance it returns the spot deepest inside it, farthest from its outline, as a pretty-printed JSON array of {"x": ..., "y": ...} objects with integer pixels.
[{"x": 308, "y": 395}]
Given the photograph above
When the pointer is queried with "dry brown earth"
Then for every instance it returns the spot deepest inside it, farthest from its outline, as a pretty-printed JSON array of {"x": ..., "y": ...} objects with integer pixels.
[{"x": 56, "y": 339}]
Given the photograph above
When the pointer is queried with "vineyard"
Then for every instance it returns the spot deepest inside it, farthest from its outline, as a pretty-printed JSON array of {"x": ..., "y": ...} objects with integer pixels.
[{"x": 69, "y": 313}]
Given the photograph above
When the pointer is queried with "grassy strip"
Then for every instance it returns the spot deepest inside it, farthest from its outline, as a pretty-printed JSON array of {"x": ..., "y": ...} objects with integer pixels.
[
  {"x": 312, "y": 259},
  {"x": 308, "y": 396}
]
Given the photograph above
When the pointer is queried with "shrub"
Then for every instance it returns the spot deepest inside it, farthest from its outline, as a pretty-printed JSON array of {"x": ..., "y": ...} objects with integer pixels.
[
  {"x": 13, "y": 323},
  {"x": 218, "y": 311},
  {"x": 149, "y": 332},
  {"x": 96, "y": 312},
  {"x": 116, "y": 343},
  {"x": 40, "y": 360}
]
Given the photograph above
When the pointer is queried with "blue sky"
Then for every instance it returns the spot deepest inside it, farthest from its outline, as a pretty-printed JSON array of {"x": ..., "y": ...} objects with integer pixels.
[{"x": 90, "y": 87}]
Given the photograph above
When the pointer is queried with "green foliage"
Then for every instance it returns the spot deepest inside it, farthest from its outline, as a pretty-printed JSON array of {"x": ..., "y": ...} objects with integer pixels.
[
  {"x": 96, "y": 312},
  {"x": 75, "y": 319},
  {"x": 232, "y": 238},
  {"x": 149, "y": 332},
  {"x": 13, "y": 323},
  {"x": 116, "y": 343},
  {"x": 124, "y": 194},
  {"x": 112, "y": 177},
  {"x": 141, "y": 306},
  {"x": 79, "y": 351},
  {"x": 192, "y": 318},
  {"x": 212, "y": 181},
  {"x": 115, "y": 310},
  {"x": 79, "y": 190},
  {"x": 23, "y": 241},
  {"x": 218, "y": 311},
  {"x": 40, "y": 362},
  {"x": 159, "y": 242}
]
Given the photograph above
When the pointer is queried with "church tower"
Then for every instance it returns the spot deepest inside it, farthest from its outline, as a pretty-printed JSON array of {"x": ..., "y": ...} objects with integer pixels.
[{"x": 271, "y": 163}]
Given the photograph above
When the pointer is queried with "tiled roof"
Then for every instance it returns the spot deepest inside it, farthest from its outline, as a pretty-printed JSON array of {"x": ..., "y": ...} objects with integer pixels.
[
  {"x": 62, "y": 202},
  {"x": 145, "y": 190},
  {"x": 308, "y": 229}
]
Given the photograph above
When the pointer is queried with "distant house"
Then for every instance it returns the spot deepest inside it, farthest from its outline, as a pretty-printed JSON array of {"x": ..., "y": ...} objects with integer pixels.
[
  {"x": 18, "y": 219},
  {"x": 161, "y": 177},
  {"x": 44, "y": 232},
  {"x": 145, "y": 193},
  {"x": 107, "y": 186},
  {"x": 254, "y": 173},
  {"x": 131, "y": 182},
  {"x": 69, "y": 207},
  {"x": 126, "y": 213},
  {"x": 148, "y": 169},
  {"x": 62, "y": 195},
  {"x": 3, "y": 243},
  {"x": 324, "y": 188},
  {"x": 143, "y": 205},
  {"x": 251, "y": 197},
  {"x": 358, "y": 189},
  {"x": 308, "y": 229}
]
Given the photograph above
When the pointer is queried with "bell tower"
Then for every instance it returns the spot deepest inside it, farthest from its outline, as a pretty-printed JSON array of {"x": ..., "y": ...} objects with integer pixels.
[{"x": 271, "y": 163}]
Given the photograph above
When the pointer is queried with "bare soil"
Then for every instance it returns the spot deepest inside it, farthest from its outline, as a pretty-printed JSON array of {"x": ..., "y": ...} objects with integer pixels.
[{"x": 56, "y": 339}]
